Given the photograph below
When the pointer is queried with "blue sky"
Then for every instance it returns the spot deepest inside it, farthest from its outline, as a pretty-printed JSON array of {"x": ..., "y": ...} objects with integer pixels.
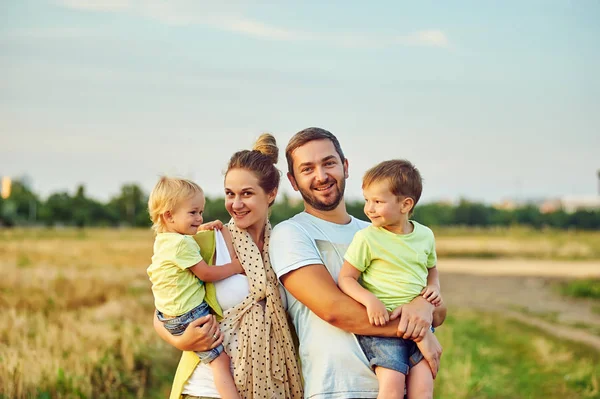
[{"x": 489, "y": 99}]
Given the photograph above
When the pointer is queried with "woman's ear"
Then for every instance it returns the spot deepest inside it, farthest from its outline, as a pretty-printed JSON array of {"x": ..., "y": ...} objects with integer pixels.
[{"x": 272, "y": 195}]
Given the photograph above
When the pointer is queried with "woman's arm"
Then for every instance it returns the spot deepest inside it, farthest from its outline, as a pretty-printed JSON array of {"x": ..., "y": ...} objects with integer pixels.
[{"x": 200, "y": 336}]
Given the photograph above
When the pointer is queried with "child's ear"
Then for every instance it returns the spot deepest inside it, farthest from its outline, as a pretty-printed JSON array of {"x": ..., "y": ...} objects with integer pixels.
[
  {"x": 407, "y": 205},
  {"x": 168, "y": 216}
]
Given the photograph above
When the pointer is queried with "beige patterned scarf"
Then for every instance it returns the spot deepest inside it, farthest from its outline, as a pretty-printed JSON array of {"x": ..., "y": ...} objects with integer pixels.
[{"x": 265, "y": 365}]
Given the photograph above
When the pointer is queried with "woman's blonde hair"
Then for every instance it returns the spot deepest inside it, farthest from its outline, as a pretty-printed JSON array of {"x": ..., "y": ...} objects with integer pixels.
[{"x": 166, "y": 195}]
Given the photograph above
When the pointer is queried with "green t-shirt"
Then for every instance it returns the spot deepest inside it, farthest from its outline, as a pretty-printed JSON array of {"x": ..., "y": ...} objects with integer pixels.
[
  {"x": 176, "y": 290},
  {"x": 394, "y": 266}
]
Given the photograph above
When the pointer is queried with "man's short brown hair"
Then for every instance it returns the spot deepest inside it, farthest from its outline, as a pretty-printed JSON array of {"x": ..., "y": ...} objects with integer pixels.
[
  {"x": 308, "y": 135},
  {"x": 403, "y": 178}
]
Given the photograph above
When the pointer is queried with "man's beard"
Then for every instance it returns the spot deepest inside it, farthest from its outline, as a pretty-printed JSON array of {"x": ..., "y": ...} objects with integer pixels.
[{"x": 311, "y": 200}]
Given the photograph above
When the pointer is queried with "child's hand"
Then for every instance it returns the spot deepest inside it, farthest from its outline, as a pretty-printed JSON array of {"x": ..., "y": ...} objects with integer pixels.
[
  {"x": 214, "y": 225},
  {"x": 378, "y": 314},
  {"x": 237, "y": 266},
  {"x": 432, "y": 294}
]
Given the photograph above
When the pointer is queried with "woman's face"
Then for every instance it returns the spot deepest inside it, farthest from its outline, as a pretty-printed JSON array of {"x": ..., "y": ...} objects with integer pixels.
[{"x": 245, "y": 200}]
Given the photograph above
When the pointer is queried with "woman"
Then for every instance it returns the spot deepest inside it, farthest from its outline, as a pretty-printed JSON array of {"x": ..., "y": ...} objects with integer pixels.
[{"x": 255, "y": 331}]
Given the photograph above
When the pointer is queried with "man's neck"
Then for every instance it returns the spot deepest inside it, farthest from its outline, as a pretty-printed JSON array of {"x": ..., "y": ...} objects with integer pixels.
[{"x": 337, "y": 215}]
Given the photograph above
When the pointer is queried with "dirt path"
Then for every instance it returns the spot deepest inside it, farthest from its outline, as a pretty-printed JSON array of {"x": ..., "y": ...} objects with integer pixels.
[{"x": 525, "y": 290}]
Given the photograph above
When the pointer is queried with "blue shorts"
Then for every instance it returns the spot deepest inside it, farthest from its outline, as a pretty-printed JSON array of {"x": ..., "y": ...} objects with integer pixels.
[
  {"x": 177, "y": 325},
  {"x": 391, "y": 353}
]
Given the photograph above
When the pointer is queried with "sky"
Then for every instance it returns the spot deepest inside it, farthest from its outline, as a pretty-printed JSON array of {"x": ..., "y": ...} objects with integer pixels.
[{"x": 491, "y": 100}]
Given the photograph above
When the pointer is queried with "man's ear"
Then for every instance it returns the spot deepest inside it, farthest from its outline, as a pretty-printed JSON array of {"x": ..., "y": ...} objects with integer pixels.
[
  {"x": 346, "y": 174},
  {"x": 292, "y": 180},
  {"x": 407, "y": 205}
]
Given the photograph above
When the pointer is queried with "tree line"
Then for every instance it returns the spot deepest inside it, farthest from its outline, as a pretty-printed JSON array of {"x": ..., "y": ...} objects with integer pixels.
[{"x": 129, "y": 208}]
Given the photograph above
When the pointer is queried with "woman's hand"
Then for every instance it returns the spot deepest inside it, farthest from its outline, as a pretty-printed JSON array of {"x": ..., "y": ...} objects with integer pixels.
[{"x": 201, "y": 335}]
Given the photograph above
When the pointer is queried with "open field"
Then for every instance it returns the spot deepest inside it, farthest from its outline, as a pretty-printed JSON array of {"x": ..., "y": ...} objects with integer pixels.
[{"x": 76, "y": 309}]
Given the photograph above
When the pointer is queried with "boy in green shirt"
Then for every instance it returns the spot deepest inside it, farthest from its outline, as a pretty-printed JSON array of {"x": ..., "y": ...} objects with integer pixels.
[
  {"x": 178, "y": 271},
  {"x": 394, "y": 259}
]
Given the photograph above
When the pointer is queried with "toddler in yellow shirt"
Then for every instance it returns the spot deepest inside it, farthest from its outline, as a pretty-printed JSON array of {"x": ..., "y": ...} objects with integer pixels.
[
  {"x": 387, "y": 265},
  {"x": 178, "y": 271}
]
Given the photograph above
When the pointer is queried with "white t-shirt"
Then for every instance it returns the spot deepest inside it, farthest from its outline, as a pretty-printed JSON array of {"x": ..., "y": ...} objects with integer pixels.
[
  {"x": 333, "y": 364},
  {"x": 230, "y": 292}
]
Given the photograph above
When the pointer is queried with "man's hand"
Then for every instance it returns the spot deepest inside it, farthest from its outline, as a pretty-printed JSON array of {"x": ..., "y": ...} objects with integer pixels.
[
  {"x": 378, "y": 314},
  {"x": 432, "y": 351},
  {"x": 415, "y": 318}
]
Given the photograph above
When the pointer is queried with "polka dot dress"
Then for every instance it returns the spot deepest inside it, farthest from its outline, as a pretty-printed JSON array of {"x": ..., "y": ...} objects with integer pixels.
[{"x": 265, "y": 365}]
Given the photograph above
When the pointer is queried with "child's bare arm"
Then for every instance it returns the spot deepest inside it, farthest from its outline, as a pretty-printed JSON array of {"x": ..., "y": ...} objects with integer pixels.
[
  {"x": 432, "y": 291},
  {"x": 228, "y": 241},
  {"x": 214, "y": 225},
  {"x": 215, "y": 273},
  {"x": 348, "y": 283}
]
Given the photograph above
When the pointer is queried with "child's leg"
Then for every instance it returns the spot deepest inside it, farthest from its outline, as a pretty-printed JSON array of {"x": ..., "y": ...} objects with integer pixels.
[
  {"x": 419, "y": 383},
  {"x": 223, "y": 378},
  {"x": 391, "y": 383}
]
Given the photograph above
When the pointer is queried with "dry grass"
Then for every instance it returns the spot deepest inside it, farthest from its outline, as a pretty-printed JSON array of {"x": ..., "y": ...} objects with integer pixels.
[
  {"x": 76, "y": 310},
  {"x": 517, "y": 243}
]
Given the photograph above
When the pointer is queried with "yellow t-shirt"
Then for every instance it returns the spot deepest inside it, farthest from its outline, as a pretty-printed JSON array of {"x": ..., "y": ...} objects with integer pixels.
[
  {"x": 176, "y": 290},
  {"x": 394, "y": 266}
]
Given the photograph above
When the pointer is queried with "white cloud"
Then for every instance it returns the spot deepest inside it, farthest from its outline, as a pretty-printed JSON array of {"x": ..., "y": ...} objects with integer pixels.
[
  {"x": 97, "y": 5},
  {"x": 429, "y": 37},
  {"x": 227, "y": 17}
]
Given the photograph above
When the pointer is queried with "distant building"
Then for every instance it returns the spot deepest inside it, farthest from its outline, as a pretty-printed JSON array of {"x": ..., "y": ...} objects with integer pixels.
[
  {"x": 571, "y": 204},
  {"x": 507, "y": 205},
  {"x": 5, "y": 187}
]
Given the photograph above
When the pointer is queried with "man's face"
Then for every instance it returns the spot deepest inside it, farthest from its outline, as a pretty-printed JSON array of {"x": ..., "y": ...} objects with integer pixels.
[{"x": 319, "y": 174}]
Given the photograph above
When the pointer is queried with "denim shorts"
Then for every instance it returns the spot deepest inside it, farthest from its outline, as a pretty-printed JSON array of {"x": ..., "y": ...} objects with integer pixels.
[
  {"x": 177, "y": 326},
  {"x": 391, "y": 353}
]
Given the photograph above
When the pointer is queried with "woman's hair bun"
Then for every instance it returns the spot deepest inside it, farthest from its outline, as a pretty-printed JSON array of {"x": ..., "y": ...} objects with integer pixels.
[{"x": 267, "y": 145}]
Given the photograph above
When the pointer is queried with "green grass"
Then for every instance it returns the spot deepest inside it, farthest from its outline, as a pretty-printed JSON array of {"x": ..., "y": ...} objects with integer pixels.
[
  {"x": 581, "y": 288},
  {"x": 487, "y": 356}
]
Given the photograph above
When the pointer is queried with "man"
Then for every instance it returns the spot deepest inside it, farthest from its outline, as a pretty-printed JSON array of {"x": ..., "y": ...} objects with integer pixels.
[{"x": 307, "y": 252}]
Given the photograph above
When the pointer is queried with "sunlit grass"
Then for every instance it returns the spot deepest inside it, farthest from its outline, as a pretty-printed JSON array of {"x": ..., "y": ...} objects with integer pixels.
[
  {"x": 517, "y": 242},
  {"x": 76, "y": 308},
  {"x": 581, "y": 288},
  {"x": 76, "y": 316},
  {"x": 487, "y": 356}
]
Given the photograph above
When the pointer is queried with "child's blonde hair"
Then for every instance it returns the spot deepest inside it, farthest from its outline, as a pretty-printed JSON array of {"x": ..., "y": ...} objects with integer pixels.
[{"x": 166, "y": 195}]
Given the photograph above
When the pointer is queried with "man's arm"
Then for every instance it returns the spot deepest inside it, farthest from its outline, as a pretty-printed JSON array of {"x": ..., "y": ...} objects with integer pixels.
[
  {"x": 439, "y": 315},
  {"x": 315, "y": 288},
  {"x": 198, "y": 336}
]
